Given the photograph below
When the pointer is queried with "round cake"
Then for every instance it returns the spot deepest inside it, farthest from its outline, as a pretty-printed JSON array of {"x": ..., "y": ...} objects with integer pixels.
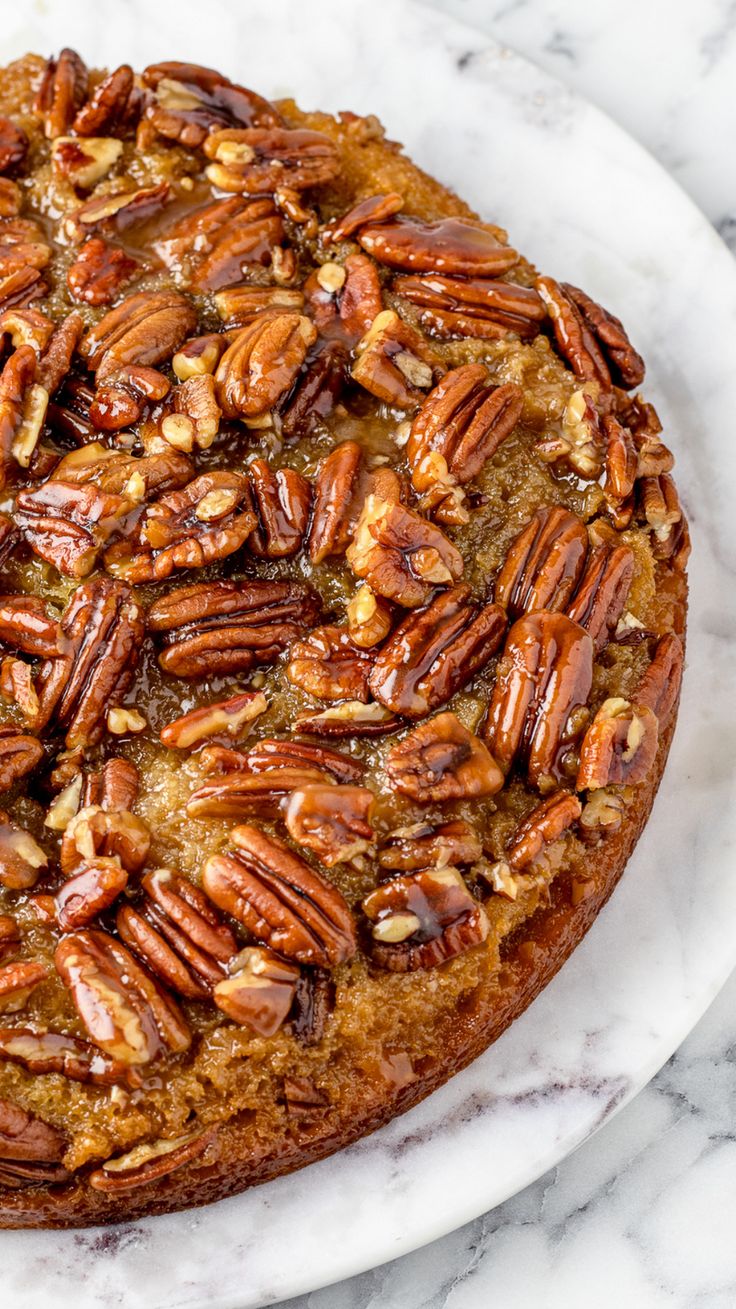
[{"x": 342, "y": 611}]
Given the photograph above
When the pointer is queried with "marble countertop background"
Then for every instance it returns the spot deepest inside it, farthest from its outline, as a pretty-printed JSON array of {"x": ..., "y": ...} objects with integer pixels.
[{"x": 643, "y": 1214}]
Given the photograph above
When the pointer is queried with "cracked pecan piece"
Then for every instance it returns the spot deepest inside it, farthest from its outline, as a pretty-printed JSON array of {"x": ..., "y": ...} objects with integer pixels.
[
  {"x": 351, "y": 718},
  {"x": 315, "y": 393},
  {"x": 178, "y": 934},
  {"x": 13, "y": 145},
  {"x": 31, "y": 1150},
  {"x": 545, "y": 674},
  {"x": 225, "y": 627},
  {"x": 430, "y": 845},
  {"x": 546, "y": 823},
  {"x": 456, "y": 245},
  {"x": 123, "y": 1010},
  {"x": 460, "y": 426},
  {"x": 262, "y": 159},
  {"x": 472, "y": 307},
  {"x": 329, "y": 665},
  {"x": 207, "y": 520},
  {"x": 441, "y": 760},
  {"x": 19, "y": 755},
  {"x": 281, "y": 900},
  {"x": 260, "y": 990},
  {"x": 344, "y": 299},
  {"x": 395, "y": 363},
  {"x": 334, "y": 822},
  {"x": 113, "y": 214},
  {"x": 23, "y": 405},
  {"x": 434, "y": 652},
  {"x": 191, "y": 101},
  {"x": 422, "y": 920},
  {"x": 401, "y": 555},
  {"x": 590, "y": 338},
  {"x": 659, "y": 688},
  {"x": 148, "y": 1162},
  {"x": 619, "y": 746},
  {"x": 42, "y": 1051},
  {"x": 22, "y": 861},
  {"x": 226, "y": 718},
  {"x": 544, "y": 563}
]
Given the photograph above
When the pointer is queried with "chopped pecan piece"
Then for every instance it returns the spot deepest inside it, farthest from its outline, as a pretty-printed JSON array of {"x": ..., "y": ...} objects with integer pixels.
[
  {"x": 123, "y": 1010},
  {"x": 114, "y": 786},
  {"x": 423, "y": 920},
  {"x": 460, "y": 426},
  {"x": 88, "y": 893},
  {"x": 341, "y": 487},
  {"x": 430, "y": 845},
  {"x": 591, "y": 339},
  {"x": 102, "y": 627},
  {"x": 660, "y": 685},
  {"x": 400, "y": 554},
  {"x": 56, "y": 359},
  {"x": 472, "y": 307},
  {"x": 95, "y": 833},
  {"x": 115, "y": 213},
  {"x": 261, "y": 159},
  {"x": 350, "y": 718},
  {"x": 31, "y": 1150},
  {"x": 226, "y": 627},
  {"x": 331, "y": 821},
  {"x": 441, "y": 760},
  {"x": 619, "y": 746},
  {"x": 145, "y": 328},
  {"x": 281, "y": 499},
  {"x": 434, "y": 652},
  {"x": 84, "y": 163},
  {"x": 222, "y": 718},
  {"x": 369, "y": 618},
  {"x": 662, "y": 512},
  {"x": 10, "y": 936},
  {"x": 599, "y": 600},
  {"x": 199, "y": 356},
  {"x": 146, "y": 1163},
  {"x": 191, "y": 101},
  {"x": 207, "y": 520},
  {"x": 580, "y": 442},
  {"x": 545, "y": 824},
  {"x": 99, "y": 272},
  {"x": 196, "y": 417},
  {"x": 546, "y": 672},
  {"x": 316, "y": 392},
  {"x": 642, "y": 420},
  {"x": 259, "y": 991},
  {"x": 603, "y": 814},
  {"x": 457, "y": 246},
  {"x": 544, "y": 563},
  {"x": 344, "y": 299},
  {"x": 270, "y": 754},
  {"x": 16, "y": 684},
  {"x": 329, "y": 665},
  {"x": 18, "y": 980},
  {"x": 21, "y": 858},
  {"x": 23, "y": 404},
  {"x": 61, "y": 92},
  {"x": 314, "y": 1003},
  {"x": 241, "y": 794},
  {"x": 112, "y": 104},
  {"x": 19, "y": 755},
  {"x": 41, "y": 1051},
  {"x": 262, "y": 363},
  {"x": 13, "y": 145},
  {"x": 180, "y": 936},
  {"x": 281, "y": 900},
  {"x": 395, "y": 363}
]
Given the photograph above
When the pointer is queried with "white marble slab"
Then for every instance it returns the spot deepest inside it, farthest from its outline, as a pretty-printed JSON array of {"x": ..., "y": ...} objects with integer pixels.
[{"x": 586, "y": 203}]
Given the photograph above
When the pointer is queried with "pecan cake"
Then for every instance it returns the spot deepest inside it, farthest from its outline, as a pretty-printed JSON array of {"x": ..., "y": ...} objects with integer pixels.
[{"x": 342, "y": 604}]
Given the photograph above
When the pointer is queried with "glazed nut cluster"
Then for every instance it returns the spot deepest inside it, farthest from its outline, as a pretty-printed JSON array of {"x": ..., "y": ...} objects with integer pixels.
[{"x": 210, "y": 323}]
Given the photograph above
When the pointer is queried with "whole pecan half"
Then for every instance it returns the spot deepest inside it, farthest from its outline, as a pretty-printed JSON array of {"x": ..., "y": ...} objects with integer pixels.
[
  {"x": 430, "y": 845},
  {"x": 395, "y": 363},
  {"x": 111, "y": 105},
  {"x": 372, "y": 209},
  {"x": 260, "y": 990},
  {"x": 102, "y": 627},
  {"x": 99, "y": 272},
  {"x": 68, "y": 523},
  {"x": 226, "y": 627},
  {"x": 123, "y": 1010},
  {"x": 191, "y": 101},
  {"x": 28, "y": 624},
  {"x": 21, "y": 858},
  {"x": 546, "y": 823},
  {"x": 460, "y": 426},
  {"x": 315, "y": 393},
  {"x": 620, "y": 745},
  {"x": 334, "y": 822},
  {"x": 148, "y": 1162},
  {"x": 544, "y": 563},
  {"x": 422, "y": 920},
  {"x": 342, "y": 485},
  {"x": 241, "y": 794},
  {"x": 281, "y": 900},
  {"x": 114, "y": 786},
  {"x": 88, "y": 893},
  {"x": 212, "y": 248},
  {"x": 271, "y": 753},
  {"x": 19, "y": 755},
  {"x": 441, "y": 760},
  {"x": 456, "y": 246},
  {"x": 145, "y": 328},
  {"x": 262, "y": 363},
  {"x": 545, "y": 673},
  {"x": 434, "y": 652},
  {"x": 590, "y": 338},
  {"x": 42, "y": 1051},
  {"x": 261, "y": 159},
  {"x": 13, "y": 145},
  {"x": 178, "y": 934},
  {"x": 600, "y": 597},
  {"x": 400, "y": 554},
  {"x": 18, "y": 980},
  {"x": 472, "y": 307},
  {"x": 61, "y": 92},
  {"x": 207, "y": 520},
  {"x": 281, "y": 499},
  {"x": 31, "y": 1150},
  {"x": 329, "y": 665},
  {"x": 660, "y": 685},
  {"x": 350, "y": 718}
]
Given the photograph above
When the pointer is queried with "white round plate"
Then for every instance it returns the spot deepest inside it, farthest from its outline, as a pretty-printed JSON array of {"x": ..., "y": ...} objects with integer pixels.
[{"x": 589, "y": 205}]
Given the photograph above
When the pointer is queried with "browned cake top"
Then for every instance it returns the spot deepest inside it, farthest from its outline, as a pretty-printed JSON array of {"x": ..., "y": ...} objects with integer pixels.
[{"x": 341, "y": 603}]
